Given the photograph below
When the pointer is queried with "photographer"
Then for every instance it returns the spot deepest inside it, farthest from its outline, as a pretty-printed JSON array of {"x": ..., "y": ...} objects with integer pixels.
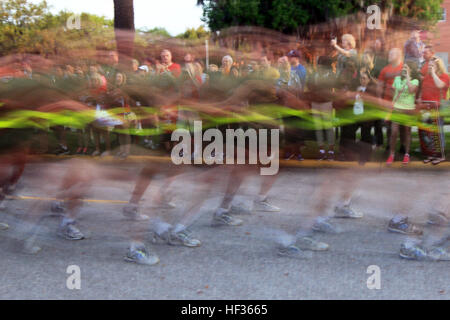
[
  {"x": 405, "y": 87},
  {"x": 435, "y": 84}
]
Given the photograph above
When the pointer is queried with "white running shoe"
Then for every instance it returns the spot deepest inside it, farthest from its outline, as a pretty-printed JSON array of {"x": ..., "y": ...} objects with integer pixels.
[
  {"x": 307, "y": 243},
  {"x": 264, "y": 205}
]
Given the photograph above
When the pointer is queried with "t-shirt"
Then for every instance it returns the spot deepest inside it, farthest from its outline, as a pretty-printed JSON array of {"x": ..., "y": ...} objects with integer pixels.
[
  {"x": 175, "y": 69},
  {"x": 429, "y": 90},
  {"x": 342, "y": 59},
  {"x": 387, "y": 76},
  {"x": 406, "y": 100},
  {"x": 301, "y": 72}
]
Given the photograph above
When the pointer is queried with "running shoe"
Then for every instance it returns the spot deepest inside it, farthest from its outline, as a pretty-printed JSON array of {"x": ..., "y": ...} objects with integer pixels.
[
  {"x": 4, "y": 226},
  {"x": 131, "y": 211},
  {"x": 323, "y": 225},
  {"x": 403, "y": 226},
  {"x": 96, "y": 153},
  {"x": 292, "y": 252},
  {"x": 322, "y": 155},
  {"x": 57, "y": 207},
  {"x": 330, "y": 156},
  {"x": 299, "y": 157},
  {"x": 225, "y": 219},
  {"x": 264, "y": 205},
  {"x": 183, "y": 238},
  {"x": 439, "y": 254},
  {"x": 390, "y": 160},
  {"x": 62, "y": 150},
  {"x": 70, "y": 232},
  {"x": 437, "y": 161},
  {"x": 29, "y": 247},
  {"x": 406, "y": 159},
  {"x": 105, "y": 154},
  {"x": 412, "y": 251},
  {"x": 288, "y": 156},
  {"x": 140, "y": 255},
  {"x": 346, "y": 212},
  {"x": 438, "y": 218},
  {"x": 307, "y": 243}
]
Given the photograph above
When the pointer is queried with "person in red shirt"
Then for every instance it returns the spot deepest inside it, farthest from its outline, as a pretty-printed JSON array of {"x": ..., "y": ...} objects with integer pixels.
[
  {"x": 168, "y": 113},
  {"x": 388, "y": 74},
  {"x": 435, "y": 81},
  {"x": 167, "y": 65},
  {"x": 435, "y": 84}
]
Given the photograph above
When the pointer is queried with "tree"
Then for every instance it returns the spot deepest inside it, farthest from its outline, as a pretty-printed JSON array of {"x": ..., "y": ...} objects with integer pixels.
[
  {"x": 288, "y": 15},
  {"x": 158, "y": 32},
  {"x": 194, "y": 34},
  {"x": 26, "y": 27},
  {"x": 124, "y": 30}
]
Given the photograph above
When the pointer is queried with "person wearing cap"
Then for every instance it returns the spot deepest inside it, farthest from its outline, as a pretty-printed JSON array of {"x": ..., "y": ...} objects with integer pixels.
[
  {"x": 414, "y": 48},
  {"x": 300, "y": 70},
  {"x": 143, "y": 70}
]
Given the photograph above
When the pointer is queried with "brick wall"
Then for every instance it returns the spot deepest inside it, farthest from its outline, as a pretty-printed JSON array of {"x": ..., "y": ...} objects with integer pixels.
[{"x": 441, "y": 40}]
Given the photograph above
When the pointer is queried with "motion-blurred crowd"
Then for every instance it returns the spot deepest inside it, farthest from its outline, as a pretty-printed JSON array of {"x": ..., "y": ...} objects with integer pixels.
[{"x": 338, "y": 94}]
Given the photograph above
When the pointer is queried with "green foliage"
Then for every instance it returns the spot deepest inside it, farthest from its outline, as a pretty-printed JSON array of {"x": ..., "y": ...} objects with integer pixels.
[
  {"x": 31, "y": 28},
  {"x": 158, "y": 32},
  {"x": 288, "y": 15},
  {"x": 195, "y": 34}
]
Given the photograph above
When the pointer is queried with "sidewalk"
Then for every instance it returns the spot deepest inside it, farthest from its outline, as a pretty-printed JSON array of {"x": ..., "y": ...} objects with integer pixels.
[{"x": 419, "y": 165}]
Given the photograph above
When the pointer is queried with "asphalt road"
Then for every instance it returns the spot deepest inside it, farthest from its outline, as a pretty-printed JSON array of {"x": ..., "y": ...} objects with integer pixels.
[{"x": 233, "y": 262}]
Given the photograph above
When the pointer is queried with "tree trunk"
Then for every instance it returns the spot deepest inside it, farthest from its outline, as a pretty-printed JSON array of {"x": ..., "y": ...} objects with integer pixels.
[{"x": 124, "y": 31}]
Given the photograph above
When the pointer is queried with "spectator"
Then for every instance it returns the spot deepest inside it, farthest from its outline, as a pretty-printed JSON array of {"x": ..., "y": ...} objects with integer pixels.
[
  {"x": 321, "y": 86},
  {"x": 294, "y": 60},
  {"x": 380, "y": 59},
  {"x": 435, "y": 85},
  {"x": 227, "y": 67},
  {"x": 290, "y": 81},
  {"x": 367, "y": 88},
  {"x": 406, "y": 86},
  {"x": 345, "y": 53},
  {"x": 167, "y": 67},
  {"x": 386, "y": 80},
  {"x": 414, "y": 48},
  {"x": 266, "y": 71}
]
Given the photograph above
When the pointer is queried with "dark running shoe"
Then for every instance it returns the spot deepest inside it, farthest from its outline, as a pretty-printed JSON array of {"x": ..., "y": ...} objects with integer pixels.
[
  {"x": 403, "y": 226},
  {"x": 70, "y": 232}
]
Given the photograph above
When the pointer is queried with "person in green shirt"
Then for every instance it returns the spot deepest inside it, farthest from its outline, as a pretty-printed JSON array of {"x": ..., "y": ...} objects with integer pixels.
[{"x": 405, "y": 87}]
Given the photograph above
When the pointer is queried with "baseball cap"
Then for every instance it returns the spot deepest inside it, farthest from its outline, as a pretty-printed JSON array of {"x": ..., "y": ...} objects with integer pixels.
[
  {"x": 144, "y": 68},
  {"x": 294, "y": 53}
]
